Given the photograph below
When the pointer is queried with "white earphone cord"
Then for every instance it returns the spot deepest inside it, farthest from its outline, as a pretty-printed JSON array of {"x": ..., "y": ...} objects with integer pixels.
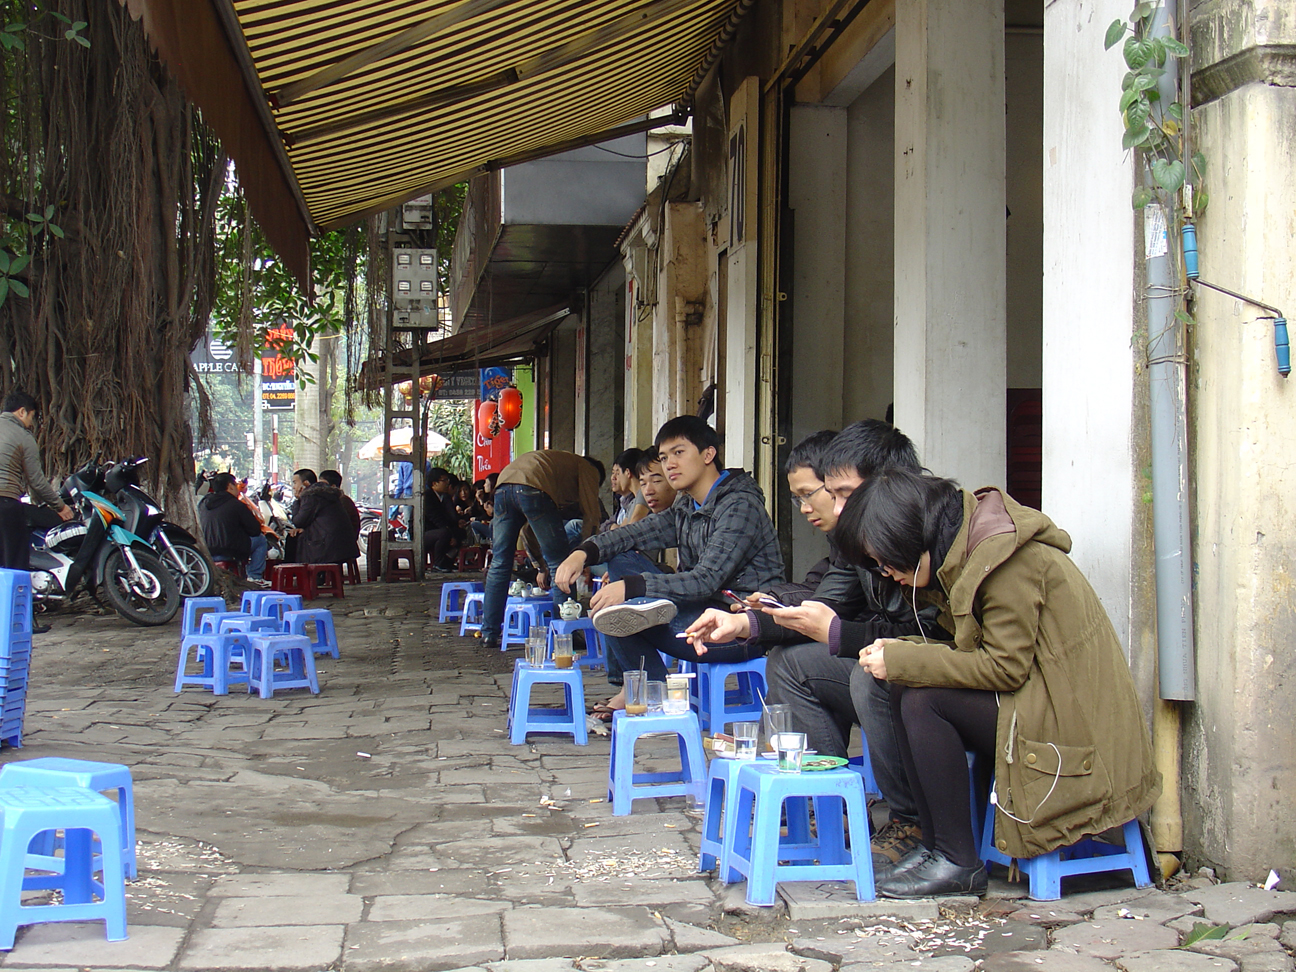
[{"x": 994, "y": 797}]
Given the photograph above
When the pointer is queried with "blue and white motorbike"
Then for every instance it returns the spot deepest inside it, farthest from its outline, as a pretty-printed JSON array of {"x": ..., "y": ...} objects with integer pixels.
[{"x": 98, "y": 550}]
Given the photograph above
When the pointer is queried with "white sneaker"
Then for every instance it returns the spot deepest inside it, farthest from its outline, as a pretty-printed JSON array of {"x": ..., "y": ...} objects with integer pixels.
[{"x": 622, "y": 620}]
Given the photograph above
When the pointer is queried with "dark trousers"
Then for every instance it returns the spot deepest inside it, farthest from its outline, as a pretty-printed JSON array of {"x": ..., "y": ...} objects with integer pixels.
[
  {"x": 439, "y": 541},
  {"x": 15, "y": 535}
]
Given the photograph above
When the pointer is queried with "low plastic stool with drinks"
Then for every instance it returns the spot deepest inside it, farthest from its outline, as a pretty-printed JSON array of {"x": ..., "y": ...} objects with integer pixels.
[
  {"x": 637, "y": 720},
  {"x": 534, "y": 670}
]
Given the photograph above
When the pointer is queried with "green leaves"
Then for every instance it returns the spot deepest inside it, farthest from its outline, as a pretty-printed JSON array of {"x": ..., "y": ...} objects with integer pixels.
[
  {"x": 73, "y": 33},
  {"x": 41, "y": 223},
  {"x": 1114, "y": 33},
  {"x": 1174, "y": 46},
  {"x": 1169, "y": 175},
  {"x": 1137, "y": 52},
  {"x": 1141, "y": 196},
  {"x": 10, "y": 267},
  {"x": 1202, "y": 932}
]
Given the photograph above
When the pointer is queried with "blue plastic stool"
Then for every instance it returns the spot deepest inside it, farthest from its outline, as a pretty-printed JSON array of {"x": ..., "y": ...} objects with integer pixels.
[
  {"x": 16, "y": 602},
  {"x": 1086, "y": 856},
  {"x": 216, "y": 652},
  {"x": 595, "y": 652},
  {"x": 752, "y": 831},
  {"x": 194, "y": 608},
  {"x": 297, "y": 654},
  {"x": 80, "y": 813},
  {"x": 274, "y": 604},
  {"x": 625, "y": 785},
  {"x": 229, "y": 623},
  {"x": 864, "y": 767},
  {"x": 474, "y": 608},
  {"x": 570, "y": 718},
  {"x": 54, "y": 771},
  {"x": 453, "y": 594},
  {"x": 251, "y": 603},
  {"x": 520, "y": 615},
  {"x": 722, "y": 790},
  {"x": 718, "y": 707},
  {"x": 325, "y": 641}
]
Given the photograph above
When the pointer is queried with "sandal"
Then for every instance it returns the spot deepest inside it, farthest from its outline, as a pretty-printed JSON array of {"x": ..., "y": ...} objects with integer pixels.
[{"x": 603, "y": 712}]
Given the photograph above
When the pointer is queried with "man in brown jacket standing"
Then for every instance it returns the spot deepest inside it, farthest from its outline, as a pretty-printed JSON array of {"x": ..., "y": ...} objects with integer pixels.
[
  {"x": 21, "y": 472},
  {"x": 530, "y": 492}
]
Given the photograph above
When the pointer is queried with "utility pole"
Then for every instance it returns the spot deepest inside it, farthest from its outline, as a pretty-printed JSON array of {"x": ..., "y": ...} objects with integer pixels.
[{"x": 258, "y": 429}]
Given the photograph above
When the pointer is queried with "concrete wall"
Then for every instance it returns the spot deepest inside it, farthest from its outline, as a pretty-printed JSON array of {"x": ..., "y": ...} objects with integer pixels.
[
  {"x": 1240, "y": 737},
  {"x": 605, "y": 379},
  {"x": 1024, "y": 191},
  {"x": 562, "y": 405},
  {"x": 870, "y": 251}
]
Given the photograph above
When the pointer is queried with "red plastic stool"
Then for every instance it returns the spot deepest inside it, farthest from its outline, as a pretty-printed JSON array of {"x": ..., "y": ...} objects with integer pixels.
[
  {"x": 373, "y": 555},
  {"x": 232, "y": 566},
  {"x": 394, "y": 571},
  {"x": 352, "y": 571},
  {"x": 471, "y": 558},
  {"x": 290, "y": 579},
  {"x": 324, "y": 579}
]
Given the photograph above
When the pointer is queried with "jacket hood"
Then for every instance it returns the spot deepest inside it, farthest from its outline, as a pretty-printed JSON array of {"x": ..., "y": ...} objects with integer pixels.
[
  {"x": 321, "y": 489},
  {"x": 214, "y": 501},
  {"x": 738, "y": 481},
  {"x": 996, "y": 513}
]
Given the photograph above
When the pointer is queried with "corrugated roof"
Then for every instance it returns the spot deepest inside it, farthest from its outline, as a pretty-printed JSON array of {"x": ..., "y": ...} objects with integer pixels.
[{"x": 380, "y": 100}]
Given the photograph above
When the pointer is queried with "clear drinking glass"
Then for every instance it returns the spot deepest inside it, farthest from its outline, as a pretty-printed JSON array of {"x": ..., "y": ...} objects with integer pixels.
[
  {"x": 562, "y": 651},
  {"x": 537, "y": 648},
  {"x": 655, "y": 696},
  {"x": 790, "y": 747},
  {"x": 636, "y": 693},
  {"x": 745, "y": 735},
  {"x": 777, "y": 718},
  {"x": 677, "y": 694}
]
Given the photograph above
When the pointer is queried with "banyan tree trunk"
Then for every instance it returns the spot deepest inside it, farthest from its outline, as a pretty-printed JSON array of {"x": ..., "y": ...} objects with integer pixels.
[{"x": 117, "y": 304}]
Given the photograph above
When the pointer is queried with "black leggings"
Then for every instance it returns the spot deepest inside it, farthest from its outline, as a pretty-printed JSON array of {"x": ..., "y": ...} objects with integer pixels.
[{"x": 935, "y": 728}]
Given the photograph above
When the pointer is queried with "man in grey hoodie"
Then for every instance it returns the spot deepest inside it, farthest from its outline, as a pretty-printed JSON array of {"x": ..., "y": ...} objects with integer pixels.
[
  {"x": 21, "y": 472},
  {"x": 725, "y": 539}
]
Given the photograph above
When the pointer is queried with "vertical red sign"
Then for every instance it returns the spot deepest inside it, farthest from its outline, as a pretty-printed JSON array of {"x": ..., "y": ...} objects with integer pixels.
[{"x": 489, "y": 455}]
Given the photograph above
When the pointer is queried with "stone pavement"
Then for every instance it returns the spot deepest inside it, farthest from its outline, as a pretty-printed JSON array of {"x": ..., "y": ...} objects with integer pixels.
[{"x": 388, "y": 824}]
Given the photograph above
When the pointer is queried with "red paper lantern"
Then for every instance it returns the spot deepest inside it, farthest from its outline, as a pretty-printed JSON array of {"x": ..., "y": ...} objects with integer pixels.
[
  {"x": 486, "y": 423},
  {"x": 510, "y": 408}
]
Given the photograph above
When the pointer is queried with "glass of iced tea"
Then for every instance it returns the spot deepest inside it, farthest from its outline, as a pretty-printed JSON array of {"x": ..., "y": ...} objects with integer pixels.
[
  {"x": 562, "y": 651},
  {"x": 636, "y": 693}
]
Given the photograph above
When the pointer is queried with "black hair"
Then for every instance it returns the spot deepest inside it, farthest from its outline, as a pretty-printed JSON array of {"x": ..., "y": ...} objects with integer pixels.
[
  {"x": 19, "y": 399},
  {"x": 809, "y": 452},
  {"x": 332, "y": 477},
  {"x": 480, "y": 484},
  {"x": 436, "y": 474},
  {"x": 597, "y": 465},
  {"x": 628, "y": 460},
  {"x": 894, "y": 518},
  {"x": 695, "y": 430},
  {"x": 220, "y": 483},
  {"x": 647, "y": 459},
  {"x": 307, "y": 476},
  {"x": 492, "y": 480},
  {"x": 867, "y": 447}
]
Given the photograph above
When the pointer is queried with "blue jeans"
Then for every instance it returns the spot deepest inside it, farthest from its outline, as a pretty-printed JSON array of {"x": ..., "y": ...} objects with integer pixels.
[
  {"x": 256, "y": 563},
  {"x": 516, "y": 506},
  {"x": 661, "y": 638},
  {"x": 619, "y": 566}
]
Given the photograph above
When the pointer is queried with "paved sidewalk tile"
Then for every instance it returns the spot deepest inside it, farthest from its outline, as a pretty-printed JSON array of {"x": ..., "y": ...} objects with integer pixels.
[
  {"x": 265, "y": 884},
  {"x": 308, "y": 947},
  {"x": 606, "y": 932},
  {"x": 416, "y": 946},
  {"x": 432, "y": 907},
  {"x": 83, "y": 944},
  {"x": 335, "y": 909}
]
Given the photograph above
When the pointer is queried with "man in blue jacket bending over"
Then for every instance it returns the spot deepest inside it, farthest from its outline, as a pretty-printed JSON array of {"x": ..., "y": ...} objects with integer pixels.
[{"x": 726, "y": 541}]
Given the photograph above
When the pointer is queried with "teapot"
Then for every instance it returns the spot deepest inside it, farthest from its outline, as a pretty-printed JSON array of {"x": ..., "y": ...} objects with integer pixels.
[{"x": 569, "y": 610}]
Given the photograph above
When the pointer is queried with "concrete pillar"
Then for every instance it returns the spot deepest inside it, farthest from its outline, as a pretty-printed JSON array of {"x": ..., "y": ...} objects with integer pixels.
[
  {"x": 314, "y": 402},
  {"x": 817, "y": 196},
  {"x": 562, "y": 405},
  {"x": 605, "y": 383},
  {"x": 950, "y": 303},
  {"x": 1089, "y": 357}
]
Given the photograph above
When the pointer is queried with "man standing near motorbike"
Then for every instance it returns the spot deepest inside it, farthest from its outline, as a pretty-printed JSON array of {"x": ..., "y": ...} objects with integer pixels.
[{"x": 21, "y": 472}]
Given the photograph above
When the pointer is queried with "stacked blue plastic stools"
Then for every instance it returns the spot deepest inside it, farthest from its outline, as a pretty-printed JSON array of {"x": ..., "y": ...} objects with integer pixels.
[
  {"x": 297, "y": 655},
  {"x": 752, "y": 829},
  {"x": 28, "y": 812},
  {"x": 195, "y": 608},
  {"x": 231, "y": 621},
  {"x": 15, "y": 651},
  {"x": 325, "y": 641},
  {"x": 595, "y": 653},
  {"x": 570, "y": 718},
  {"x": 453, "y": 595},
  {"x": 251, "y": 603},
  {"x": 626, "y": 786},
  {"x": 520, "y": 615},
  {"x": 216, "y": 652},
  {"x": 721, "y": 800},
  {"x": 1087, "y": 856},
  {"x": 718, "y": 707},
  {"x": 54, "y": 772},
  {"x": 473, "y": 609},
  {"x": 275, "y": 604}
]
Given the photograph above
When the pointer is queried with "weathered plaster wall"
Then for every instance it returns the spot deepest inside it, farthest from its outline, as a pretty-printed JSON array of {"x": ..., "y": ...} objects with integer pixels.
[{"x": 1240, "y": 739}]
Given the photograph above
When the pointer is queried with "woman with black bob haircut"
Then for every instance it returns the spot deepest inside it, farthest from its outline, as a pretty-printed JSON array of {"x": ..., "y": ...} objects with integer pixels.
[{"x": 1034, "y": 679}]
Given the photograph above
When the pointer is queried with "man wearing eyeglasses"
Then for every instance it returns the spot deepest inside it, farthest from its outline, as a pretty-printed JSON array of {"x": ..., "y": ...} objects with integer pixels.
[
  {"x": 21, "y": 472},
  {"x": 819, "y": 634}
]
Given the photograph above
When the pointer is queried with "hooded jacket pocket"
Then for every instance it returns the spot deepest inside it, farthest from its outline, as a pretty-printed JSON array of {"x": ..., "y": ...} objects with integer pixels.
[{"x": 1054, "y": 780}]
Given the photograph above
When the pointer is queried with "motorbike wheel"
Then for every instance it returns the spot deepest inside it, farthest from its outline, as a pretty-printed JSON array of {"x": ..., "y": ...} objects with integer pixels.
[
  {"x": 196, "y": 578},
  {"x": 151, "y": 600}
]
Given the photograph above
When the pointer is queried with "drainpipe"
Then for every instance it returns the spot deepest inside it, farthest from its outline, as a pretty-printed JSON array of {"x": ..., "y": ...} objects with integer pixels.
[{"x": 1167, "y": 377}]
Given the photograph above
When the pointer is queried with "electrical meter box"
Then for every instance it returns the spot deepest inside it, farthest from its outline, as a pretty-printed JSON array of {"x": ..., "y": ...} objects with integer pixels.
[
  {"x": 414, "y": 291},
  {"x": 417, "y": 213}
]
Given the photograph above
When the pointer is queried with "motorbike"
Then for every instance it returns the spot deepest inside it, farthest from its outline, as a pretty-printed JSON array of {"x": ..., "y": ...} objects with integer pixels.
[
  {"x": 97, "y": 550},
  {"x": 175, "y": 546}
]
